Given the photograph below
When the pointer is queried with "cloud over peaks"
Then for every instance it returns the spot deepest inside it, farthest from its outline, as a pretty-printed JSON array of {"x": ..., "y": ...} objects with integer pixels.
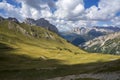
[{"x": 65, "y": 14}]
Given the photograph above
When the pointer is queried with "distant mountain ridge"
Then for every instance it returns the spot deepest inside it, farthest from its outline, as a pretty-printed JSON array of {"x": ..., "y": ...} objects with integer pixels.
[
  {"x": 42, "y": 23},
  {"x": 104, "y": 44},
  {"x": 78, "y": 36},
  {"x": 85, "y": 30},
  {"x": 13, "y": 19}
]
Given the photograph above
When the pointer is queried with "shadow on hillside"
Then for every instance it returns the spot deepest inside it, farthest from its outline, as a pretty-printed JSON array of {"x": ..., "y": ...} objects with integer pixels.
[
  {"x": 22, "y": 67},
  {"x": 4, "y": 47}
]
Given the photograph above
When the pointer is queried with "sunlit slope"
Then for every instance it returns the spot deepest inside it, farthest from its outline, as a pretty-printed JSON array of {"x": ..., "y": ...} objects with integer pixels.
[
  {"x": 24, "y": 47},
  {"x": 16, "y": 34},
  {"x": 35, "y": 41}
]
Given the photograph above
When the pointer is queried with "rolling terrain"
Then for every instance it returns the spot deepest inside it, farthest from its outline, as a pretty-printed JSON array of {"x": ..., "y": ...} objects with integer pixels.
[{"x": 34, "y": 53}]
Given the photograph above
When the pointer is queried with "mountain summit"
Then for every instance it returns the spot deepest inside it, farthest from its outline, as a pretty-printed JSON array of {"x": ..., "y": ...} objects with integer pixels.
[{"x": 42, "y": 23}]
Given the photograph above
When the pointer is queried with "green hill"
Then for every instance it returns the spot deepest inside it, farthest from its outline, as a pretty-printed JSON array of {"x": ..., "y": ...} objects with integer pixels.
[{"x": 34, "y": 53}]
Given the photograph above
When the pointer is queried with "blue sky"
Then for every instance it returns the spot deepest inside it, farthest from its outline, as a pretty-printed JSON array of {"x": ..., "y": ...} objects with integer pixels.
[
  {"x": 65, "y": 14},
  {"x": 87, "y": 3},
  {"x": 12, "y": 2}
]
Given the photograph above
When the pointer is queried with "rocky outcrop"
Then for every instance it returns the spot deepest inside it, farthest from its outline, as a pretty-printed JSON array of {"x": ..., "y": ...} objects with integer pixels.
[
  {"x": 31, "y": 32},
  {"x": 42, "y": 23},
  {"x": 30, "y": 21},
  {"x": 1, "y": 18}
]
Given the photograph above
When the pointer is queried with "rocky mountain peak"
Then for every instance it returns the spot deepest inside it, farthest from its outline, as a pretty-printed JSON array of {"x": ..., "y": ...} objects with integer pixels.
[
  {"x": 42, "y": 23},
  {"x": 13, "y": 19},
  {"x": 42, "y": 19},
  {"x": 30, "y": 21},
  {"x": 102, "y": 29}
]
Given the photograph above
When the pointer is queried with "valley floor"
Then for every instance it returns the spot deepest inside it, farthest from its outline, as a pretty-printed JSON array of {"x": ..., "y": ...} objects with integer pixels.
[{"x": 32, "y": 62}]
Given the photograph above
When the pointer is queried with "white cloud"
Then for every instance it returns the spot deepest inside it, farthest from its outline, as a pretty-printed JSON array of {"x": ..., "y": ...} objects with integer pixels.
[
  {"x": 26, "y": 11},
  {"x": 10, "y": 10},
  {"x": 68, "y": 13},
  {"x": 106, "y": 10},
  {"x": 116, "y": 21},
  {"x": 69, "y": 9},
  {"x": 35, "y": 9},
  {"x": 46, "y": 13}
]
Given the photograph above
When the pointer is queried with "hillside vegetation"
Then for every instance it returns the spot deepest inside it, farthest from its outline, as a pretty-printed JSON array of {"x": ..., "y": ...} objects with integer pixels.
[{"x": 34, "y": 53}]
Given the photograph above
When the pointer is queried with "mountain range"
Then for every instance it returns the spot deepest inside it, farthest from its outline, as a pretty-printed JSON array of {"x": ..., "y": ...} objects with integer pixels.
[
  {"x": 104, "y": 44},
  {"x": 82, "y": 36},
  {"x": 97, "y": 29},
  {"x": 87, "y": 33}
]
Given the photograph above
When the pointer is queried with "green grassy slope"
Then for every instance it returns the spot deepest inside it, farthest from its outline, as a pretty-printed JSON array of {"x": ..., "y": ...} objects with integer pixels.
[{"x": 31, "y": 53}]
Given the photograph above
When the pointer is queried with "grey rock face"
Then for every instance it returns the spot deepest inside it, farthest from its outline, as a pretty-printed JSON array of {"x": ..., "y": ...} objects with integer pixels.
[
  {"x": 30, "y": 21},
  {"x": 42, "y": 23},
  {"x": 99, "y": 29},
  {"x": 13, "y": 19},
  {"x": 79, "y": 35},
  {"x": 104, "y": 44},
  {"x": 1, "y": 18}
]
